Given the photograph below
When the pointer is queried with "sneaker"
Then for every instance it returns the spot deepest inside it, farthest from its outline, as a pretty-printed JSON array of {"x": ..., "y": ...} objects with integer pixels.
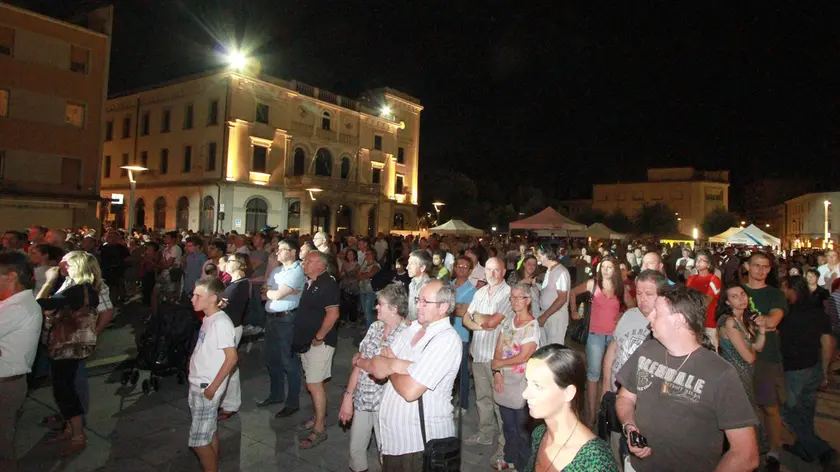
[{"x": 476, "y": 439}]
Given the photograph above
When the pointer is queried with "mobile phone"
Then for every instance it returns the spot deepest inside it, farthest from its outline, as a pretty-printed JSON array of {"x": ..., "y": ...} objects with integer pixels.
[
  {"x": 203, "y": 385},
  {"x": 637, "y": 440}
]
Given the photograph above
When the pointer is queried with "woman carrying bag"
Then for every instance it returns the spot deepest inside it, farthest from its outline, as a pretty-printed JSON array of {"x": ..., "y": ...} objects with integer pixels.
[{"x": 519, "y": 337}]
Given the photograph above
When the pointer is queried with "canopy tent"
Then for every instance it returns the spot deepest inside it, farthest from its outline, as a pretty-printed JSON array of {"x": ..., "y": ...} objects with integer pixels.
[
  {"x": 677, "y": 238},
  {"x": 722, "y": 237},
  {"x": 752, "y": 235},
  {"x": 456, "y": 227},
  {"x": 548, "y": 219},
  {"x": 597, "y": 231}
]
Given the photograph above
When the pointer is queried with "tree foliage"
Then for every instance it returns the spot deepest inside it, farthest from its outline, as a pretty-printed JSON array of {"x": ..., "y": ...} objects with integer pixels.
[
  {"x": 591, "y": 215},
  {"x": 657, "y": 219},
  {"x": 718, "y": 221},
  {"x": 618, "y": 221}
]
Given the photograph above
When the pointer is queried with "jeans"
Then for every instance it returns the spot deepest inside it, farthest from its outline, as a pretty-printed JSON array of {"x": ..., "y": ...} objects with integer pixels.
[
  {"x": 517, "y": 439},
  {"x": 63, "y": 373},
  {"x": 799, "y": 409},
  {"x": 464, "y": 377},
  {"x": 283, "y": 364},
  {"x": 82, "y": 386},
  {"x": 596, "y": 346},
  {"x": 368, "y": 300}
]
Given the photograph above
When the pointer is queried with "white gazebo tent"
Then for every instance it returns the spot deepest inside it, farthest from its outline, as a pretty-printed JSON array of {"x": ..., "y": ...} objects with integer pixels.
[
  {"x": 456, "y": 227},
  {"x": 722, "y": 237},
  {"x": 597, "y": 231},
  {"x": 752, "y": 235},
  {"x": 547, "y": 222}
]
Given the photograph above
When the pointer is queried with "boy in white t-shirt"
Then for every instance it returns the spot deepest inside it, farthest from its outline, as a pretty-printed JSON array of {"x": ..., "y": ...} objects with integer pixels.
[{"x": 212, "y": 361}]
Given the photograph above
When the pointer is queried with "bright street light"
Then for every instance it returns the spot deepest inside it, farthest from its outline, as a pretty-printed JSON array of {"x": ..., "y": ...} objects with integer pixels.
[
  {"x": 237, "y": 60},
  {"x": 385, "y": 111},
  {"x": 437, "y": 206},
  {"x": 695, "y": 233},
  {"x": 312, "y": 191},
  {"x": 133, "y": 186}
]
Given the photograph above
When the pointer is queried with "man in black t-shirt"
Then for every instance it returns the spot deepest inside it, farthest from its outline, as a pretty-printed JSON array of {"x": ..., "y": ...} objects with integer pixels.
[
  {"x": 806, "y": 345},
  {"x": 113, "y": 257},
  {"x": 316, "y": 337}
]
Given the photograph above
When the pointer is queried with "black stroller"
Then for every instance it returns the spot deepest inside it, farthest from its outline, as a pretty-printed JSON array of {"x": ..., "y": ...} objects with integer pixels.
[{"x": 165, "y": 347}]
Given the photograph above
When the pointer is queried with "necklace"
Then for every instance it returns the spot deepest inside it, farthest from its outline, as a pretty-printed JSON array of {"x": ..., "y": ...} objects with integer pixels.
[
  {"x": 665, "y": 388},
  {"x": 551, "y": 464}
]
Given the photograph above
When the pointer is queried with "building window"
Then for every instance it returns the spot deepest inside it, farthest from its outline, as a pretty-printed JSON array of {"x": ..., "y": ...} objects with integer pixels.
[
  {"x": 106, "y": 167},
  {"x": 638, "y": 195},
  {"x": 188, "y": 116},
  {"x": 144, "y": 159},
  {"x": 213, "y": 113},
  {"x": 126, "y": 127},
  {"x": 345, "y": 168},
  {"x": 211, "y": 156},
  {"x": 377, "y": 142},
  {"x": 376, "y": 176},
  {"x": 399, "y": 187},
  {"x": 260, "y": 159},
  {"x": 325, "y": 121},
  {"x": 109, "y": 130},
  {"x": 74, "y": 114},
  {"x": 262, "y": 113},
  {"x": 2, "y": 164},
  {"x": 187, "y": 159},
  {"x": 400, "y": 155},
  {"x": 323, "y": 163},
  {"x": 399, "y": 221},
  {"x": 4, "y": 102},
  {"x": 144, "y": 124},
  {"x": 164, "y": 161},
  {"x": 160, "y": 213},
  {"x": 165, "y": 121},
  {"x": 256, "y": 214},
  {"x": 299, "y": 164},
  {"x": 124, "y": 172},
  {"x": 7, "y": 40},
  {"x": 79, "y": 58}
]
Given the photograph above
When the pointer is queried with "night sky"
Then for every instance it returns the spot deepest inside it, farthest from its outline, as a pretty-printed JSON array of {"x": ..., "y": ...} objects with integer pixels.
[{"x": 554, "y": 97}]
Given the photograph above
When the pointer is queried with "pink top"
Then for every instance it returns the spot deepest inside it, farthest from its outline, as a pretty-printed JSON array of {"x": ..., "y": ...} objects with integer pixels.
[{"x": 604, "y": 314}]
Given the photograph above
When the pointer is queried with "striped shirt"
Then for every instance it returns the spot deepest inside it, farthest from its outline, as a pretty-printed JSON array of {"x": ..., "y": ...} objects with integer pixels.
[
  {"x": 436, "y": 360},
  {"x": 483, "y": 344}
]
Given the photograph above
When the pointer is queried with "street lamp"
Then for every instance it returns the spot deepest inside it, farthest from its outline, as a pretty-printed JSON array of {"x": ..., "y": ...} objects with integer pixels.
[
  {"x": 695, "y": 233},
  {"x": 827, "y": 234},
  {"x": 743, "y": 223},
  {"x": 133, "y": 183},
  {"x": 236, "y": 60},
  {"x": 437, "y": 206},
  {"x": 312, "y": 191}
]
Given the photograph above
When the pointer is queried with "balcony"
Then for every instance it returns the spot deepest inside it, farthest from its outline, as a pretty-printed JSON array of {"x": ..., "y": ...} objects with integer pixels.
[
  {"x": 331, "y": 184},
  {"x": 327, "y": 134}
]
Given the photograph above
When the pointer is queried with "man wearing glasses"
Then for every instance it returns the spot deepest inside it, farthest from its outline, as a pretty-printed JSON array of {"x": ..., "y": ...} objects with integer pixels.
[
  {"x": 282, "y": 292},
  {"x": 489, "y": 307}
]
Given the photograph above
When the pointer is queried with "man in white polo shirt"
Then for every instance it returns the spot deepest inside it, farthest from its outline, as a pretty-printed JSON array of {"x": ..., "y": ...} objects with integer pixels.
[
  {"x": 489, "y": 307},
  {"x": 422, "y": 362}
]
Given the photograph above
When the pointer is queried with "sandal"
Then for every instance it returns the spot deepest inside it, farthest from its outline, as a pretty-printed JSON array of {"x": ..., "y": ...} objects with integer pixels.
[
  {"x": 306, "y": 427},
  {"x": 315, "y": 438},
  {"x": 76, "y": 444}
]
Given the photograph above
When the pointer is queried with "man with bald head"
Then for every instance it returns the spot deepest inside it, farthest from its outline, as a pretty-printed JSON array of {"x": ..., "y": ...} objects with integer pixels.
[
  {"x": 653, "y": 261},
  {"x": 489, "y": 307}
]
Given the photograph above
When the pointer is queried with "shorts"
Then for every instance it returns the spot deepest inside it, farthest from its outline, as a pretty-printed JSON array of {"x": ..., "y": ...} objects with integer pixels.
[
  {"x": 596, "y": 346},
  {"x": 769, "y": 384},
  {"x": 317, "y": 363},
  {"x": 204, "y": 414}
]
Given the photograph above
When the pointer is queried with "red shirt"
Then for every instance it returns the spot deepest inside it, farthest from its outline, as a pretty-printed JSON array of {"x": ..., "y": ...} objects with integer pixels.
[{"x": 707, "y": 285}]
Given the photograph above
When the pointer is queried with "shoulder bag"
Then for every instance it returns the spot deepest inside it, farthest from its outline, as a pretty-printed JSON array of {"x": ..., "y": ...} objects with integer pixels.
[
  {"x": 71, "y": 334},
  {"x": 580, "y": 330}
]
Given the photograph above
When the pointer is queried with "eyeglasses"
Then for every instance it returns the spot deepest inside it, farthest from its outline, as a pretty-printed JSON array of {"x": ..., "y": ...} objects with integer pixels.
[{"x": 422, "y": 301}]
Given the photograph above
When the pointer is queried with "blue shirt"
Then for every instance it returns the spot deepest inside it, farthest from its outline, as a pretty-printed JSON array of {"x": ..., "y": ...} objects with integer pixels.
[
  {"x": 463, "y": 294},
  {"x": 193, "y": 270},
  {"x": 294, "y": 279}
]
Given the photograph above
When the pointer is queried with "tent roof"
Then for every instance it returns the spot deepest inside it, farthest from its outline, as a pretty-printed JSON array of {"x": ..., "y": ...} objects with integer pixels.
[
  {"x": 548, "y": 219},
  {"x": 598, "y": 231},
  {"x": 721, "y": 238},
  {"x": 752, "y": 235},
  {"x": 457, "y": 227}
]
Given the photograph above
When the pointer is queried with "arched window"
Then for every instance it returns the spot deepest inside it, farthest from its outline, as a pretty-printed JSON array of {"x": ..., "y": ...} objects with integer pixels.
[
  {"x": 140, "y": 213},
  {"x": 256, "y": 214},
  {"x": 325, "y": 121},
  {"x": 323, "y": 162},
  {"x": 294, "y": 216},
  {"x": 345, "y": 168},
  {"x": 344, "y": 220},
  {"x": 208, "y": 210},
  {"x": 399, "y": 221},
  {"x": 160, "y": 213},
  {"x": 299, "y": 162},
  {"x": 182, "y": 214},
  {"x": 320, "y": 219}
]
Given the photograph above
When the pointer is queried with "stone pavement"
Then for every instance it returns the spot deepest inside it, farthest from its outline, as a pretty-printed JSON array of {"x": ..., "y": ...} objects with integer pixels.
[{"x": 132, "y": 432}]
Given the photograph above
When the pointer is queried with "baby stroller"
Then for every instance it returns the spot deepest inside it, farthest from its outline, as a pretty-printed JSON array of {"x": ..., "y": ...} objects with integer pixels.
[{"x": 165, "y": 347}]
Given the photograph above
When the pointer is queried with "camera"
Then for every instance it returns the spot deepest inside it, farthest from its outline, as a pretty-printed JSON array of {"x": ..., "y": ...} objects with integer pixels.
[{"x": 637, "y": 440}]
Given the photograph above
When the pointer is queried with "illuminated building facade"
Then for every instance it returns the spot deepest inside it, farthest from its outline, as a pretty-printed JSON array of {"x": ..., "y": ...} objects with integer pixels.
[
  {"x": 53, "y": 86},
  {"x": 810, "y": 218},
  {"x": 263, "y": 151}
]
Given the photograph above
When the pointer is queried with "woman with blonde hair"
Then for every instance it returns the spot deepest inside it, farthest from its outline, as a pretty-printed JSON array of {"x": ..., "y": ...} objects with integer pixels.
[{"x": 70, "y": 335}]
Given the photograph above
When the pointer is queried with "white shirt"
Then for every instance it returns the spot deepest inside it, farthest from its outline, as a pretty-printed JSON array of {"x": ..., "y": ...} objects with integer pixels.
[
  {"x": 483, "y": 344},
  {"x": 477, "y": 275},
  {"x": 20, "y": 327},
  {"x": 243, "y": 250},
  {"x": 449, "y": 262},
  {"x": 826, "y": 274},
  {"x": 689, "y": 262},
  {"x": 173, "y": 253},
  {"x": 217, "y": 333},
  {"x": 556, "y": 279},
  {"x": 436, "y": 361},
  {"x": 380, "y": 246}
]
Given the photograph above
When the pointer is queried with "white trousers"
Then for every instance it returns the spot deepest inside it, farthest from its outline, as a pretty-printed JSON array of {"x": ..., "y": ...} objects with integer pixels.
[
  {"x": 554, "y": 331},
  {"x": 364, "y": 422},
  {"x": 233, "y": 395}
]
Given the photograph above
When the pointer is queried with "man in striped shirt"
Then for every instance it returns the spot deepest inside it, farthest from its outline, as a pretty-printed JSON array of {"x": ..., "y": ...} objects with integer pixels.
[
  {"x": 489, "y": 307},
  {"x": 422, "y": 361}
]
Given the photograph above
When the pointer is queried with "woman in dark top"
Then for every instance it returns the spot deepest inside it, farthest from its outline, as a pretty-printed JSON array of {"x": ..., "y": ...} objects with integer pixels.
[
  {"x": 817, "y": 295},
  {"x": 70, "y": 332},
  {"x": 235, "y": 303}
]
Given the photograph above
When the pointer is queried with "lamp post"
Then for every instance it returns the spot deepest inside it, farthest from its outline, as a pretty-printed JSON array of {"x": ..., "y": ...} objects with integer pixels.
[
  {"x": 133, "y": 183},
  {"x": 827, "y": 234},
  {"x": 437, "y": 206}
]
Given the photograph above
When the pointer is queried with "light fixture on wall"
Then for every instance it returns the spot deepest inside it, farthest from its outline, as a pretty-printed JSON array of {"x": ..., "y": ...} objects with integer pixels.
[{"x": 312, "y": 191}]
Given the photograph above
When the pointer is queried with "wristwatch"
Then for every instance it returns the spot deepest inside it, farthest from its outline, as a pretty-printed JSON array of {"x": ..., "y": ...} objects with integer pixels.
[
  {"x": 624, "y": 427},
  {"x": 495, "y": 371}
]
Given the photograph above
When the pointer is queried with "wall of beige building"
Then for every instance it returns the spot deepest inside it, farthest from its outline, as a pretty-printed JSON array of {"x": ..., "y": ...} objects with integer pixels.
[{"x": 805, "y": 219}]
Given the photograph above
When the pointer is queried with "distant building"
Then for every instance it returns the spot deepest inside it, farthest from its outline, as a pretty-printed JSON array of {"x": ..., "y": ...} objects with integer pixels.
[
  {"x": 263, "y": 151},
  {"x": 53, "y": 84},
  {"x": 691, "y": 193},
  {"x": 806, "y": 217}
]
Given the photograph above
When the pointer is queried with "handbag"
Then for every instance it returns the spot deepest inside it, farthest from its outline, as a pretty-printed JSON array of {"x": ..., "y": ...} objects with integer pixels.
[
  {"x": 580, "y": 331},
  {"x": 443, "y": 454},
  {"x": 71, "y": 334},
  {"x": 608, "y": 417},
  {"x": 511, "y": 396}
]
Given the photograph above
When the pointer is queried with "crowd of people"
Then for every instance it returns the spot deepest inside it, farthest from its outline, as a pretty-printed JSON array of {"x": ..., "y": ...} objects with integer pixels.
[{"x": 694, "y": 359}]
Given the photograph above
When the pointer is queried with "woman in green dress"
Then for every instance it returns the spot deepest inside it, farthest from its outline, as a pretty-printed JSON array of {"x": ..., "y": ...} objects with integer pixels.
[{"x": 556, "y": 377}]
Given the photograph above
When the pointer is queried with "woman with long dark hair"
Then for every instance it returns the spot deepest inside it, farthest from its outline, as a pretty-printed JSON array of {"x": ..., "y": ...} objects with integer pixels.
[
  {"x": 608, "y": 293},
  {"x": 556, "y": 377},
  {"x": 528, "y": 274}
]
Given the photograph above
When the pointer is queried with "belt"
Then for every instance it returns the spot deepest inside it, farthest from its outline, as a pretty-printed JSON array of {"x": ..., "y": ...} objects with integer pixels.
[
  {"x": 12, "y": 378},
  {"x": 279, "y": 313}
]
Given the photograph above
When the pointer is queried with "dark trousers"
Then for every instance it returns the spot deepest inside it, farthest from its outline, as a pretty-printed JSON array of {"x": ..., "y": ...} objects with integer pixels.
[
  {"x": 464, "y": 377},
  {"x": 799, "y": 409},
  {"x": 283, "y": 364},
  {"x": 12, "y": 395},
  {"x": 63, "y": 372},
  {"x": 149, "y": 280},
  {"x": 517, "y": 439},
  {"x": 404, "y": 463}
]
